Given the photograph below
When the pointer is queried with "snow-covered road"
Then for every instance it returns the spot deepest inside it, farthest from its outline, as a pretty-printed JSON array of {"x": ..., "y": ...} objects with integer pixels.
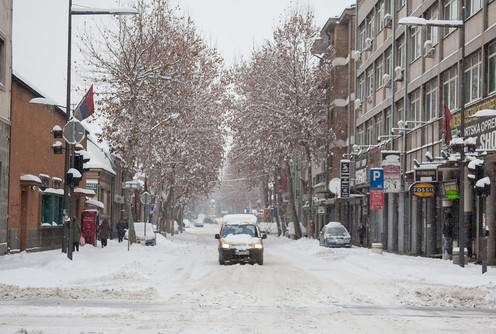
[{"x": 179, "y": 287}]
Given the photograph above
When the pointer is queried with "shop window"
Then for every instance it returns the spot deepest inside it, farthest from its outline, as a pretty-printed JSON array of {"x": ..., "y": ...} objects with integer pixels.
[{"x": 52, "y": 209}]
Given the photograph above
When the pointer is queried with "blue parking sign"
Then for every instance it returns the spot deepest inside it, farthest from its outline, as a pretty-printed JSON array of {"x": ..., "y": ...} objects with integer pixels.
[{"x": 376, "y": 179}]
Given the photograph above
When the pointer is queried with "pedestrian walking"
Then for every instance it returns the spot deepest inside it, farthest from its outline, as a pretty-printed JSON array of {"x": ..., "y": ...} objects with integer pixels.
[
  {"x": 104, "y": 232},
  {"x": 76, "y": 234},
  {"x": 361, "y": 233},
  {"x": 121, "y": 230},
  {"x": 447, "y": 236}
]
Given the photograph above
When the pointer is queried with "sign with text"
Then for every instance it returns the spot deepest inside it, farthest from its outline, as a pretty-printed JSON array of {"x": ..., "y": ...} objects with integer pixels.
[
  {"x": 423, "y": 189},
  {"x": 376, "y": 179},
  {"x": 376, "y": 199},
  {"x": 392, "y": 171},
  {"x": 450, "y": 189},
  {"x": 426, "y": 174},
  {"x": 345, "y": 178}
]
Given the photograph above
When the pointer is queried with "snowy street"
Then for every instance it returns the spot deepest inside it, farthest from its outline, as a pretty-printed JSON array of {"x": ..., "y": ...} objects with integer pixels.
[{"x": 179, "y": 287}]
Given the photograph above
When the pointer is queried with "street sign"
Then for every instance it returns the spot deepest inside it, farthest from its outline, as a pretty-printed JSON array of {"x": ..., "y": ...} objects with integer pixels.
[
  {"x": 146, "y": 197},
  {"x": 345, "y": 178},
  {"x": 376, "y": 199},
  {"x": 73, "y": 132},
  {"x": 426, "y": 174},
  {"x": 376, "y": 179},
  {"x": 131, "y": 185}
]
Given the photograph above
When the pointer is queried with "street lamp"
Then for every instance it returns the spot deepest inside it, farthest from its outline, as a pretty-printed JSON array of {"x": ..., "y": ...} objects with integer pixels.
[
  {"x": 68, "y": 202},
  {"x": 419, "y": 21}
]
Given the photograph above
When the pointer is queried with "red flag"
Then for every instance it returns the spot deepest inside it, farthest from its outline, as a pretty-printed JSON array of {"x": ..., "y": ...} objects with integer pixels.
[
  {"x": 86, "y": 107},
  {"x": 446, "y": 124}
]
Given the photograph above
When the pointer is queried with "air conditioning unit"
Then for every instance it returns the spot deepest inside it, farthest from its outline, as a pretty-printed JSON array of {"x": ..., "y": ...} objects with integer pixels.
[
  {"x": 368, "y": 44},
  {"x": 386, "y": 80},
  {"x": 388, "y": 20},
  {"x": 429, "y": 50},
  {"x": 358, "y": 104},
  {"x": 356, "y": 55},
  {"x": 398, "y": 73}
]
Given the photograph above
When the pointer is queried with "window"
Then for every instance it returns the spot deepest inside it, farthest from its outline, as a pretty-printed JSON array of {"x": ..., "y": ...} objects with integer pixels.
[
  {"x": 431, "y": 102},
  {"x": 379, "y": 125},
  {"x": 370, "y": 133},
  {"x": 361, "y": 136},
  {"x": 379, "y": 72},
  {"x": 361, "y": 37},
  {"x": 399, "y": 111},
  {"x": 45, "y": 181},
  {"x": 416, "y": 43},
  {"x": 389, "y": 121},
  {"x": 473, "y": 77},
  {"x": 387, "y": 61},
  {"x": 473, "y": 6},
  {"x": 361, "y": 87},
  {"x": 3, "y": 63},
  {"x": 52, "y": 207},
  {"x": 379, "y": 8},
  {"x": 415, "y": 107},
  {"x": 450, "y": 84},
  {"x": 450, "y": 13},
  {"x": 492, "y": 68},
  {"x": 370, "y": 26},
  {"x": 370, "y": 81},
  {"x": 400, "y": 54},
  {"x": 432, "y": 33},
  {"x": 57, "y": 182},
  {"x": 401, "y": 3}
]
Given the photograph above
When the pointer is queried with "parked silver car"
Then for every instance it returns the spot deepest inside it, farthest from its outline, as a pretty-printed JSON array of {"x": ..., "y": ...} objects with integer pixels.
[{"x": 334, "y": 234}]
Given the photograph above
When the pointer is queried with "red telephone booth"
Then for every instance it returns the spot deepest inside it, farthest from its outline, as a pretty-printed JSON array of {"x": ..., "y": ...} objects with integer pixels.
[{"x": 89, "y": 226}]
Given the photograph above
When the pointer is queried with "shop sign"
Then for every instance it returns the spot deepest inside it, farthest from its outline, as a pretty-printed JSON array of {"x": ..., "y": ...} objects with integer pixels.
[
  {"x": 321, "y": 210},
  {"x": 423, "y": 189},
  {"x": 426, "y": 174},
  {"x": 392, "y": 171},
  {"x": 450, "y": 189},
  {"x": 376, "y": 199},
  {"x": 345, "y": 178}
]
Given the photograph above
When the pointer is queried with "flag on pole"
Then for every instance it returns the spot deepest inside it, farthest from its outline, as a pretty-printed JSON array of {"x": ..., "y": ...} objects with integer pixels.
[
  {"x": 446, "y": 124},
  {"x": 85, "y": 108}
]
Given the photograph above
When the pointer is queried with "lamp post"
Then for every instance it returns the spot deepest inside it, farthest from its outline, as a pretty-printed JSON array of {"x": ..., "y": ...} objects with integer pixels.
[
  {"x": 69, "y": 191},
  {"x": 418, "y": 21}
]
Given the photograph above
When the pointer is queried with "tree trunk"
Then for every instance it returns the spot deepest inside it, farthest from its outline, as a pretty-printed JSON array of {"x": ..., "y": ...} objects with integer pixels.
[
  {"x": 292, "y": 204},
  {"x": 310, "y": 225}
]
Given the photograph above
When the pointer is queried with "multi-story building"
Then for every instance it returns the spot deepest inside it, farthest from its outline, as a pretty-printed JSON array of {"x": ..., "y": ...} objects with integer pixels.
[
  {"x": 336, "y": 45},
  {"x": 5, "y": 88},
  {"x": 405, "y": 77}
]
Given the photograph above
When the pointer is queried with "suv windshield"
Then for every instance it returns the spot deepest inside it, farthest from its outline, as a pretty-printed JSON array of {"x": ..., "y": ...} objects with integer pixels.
[{"x": 240, "y": 229}]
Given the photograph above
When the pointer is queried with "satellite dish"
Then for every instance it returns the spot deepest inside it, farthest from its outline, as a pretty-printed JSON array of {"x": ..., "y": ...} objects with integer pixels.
[{"x": 335, "y": 185}]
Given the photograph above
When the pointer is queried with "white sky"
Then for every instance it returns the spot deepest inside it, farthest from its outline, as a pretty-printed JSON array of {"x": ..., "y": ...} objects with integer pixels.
[{"x": 232, "y": 26}]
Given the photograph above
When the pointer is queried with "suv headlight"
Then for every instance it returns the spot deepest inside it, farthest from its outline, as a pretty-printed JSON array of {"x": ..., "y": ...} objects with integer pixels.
[
  {"x": 258, "y": 246},
  {"x": 225, "y": 245}
]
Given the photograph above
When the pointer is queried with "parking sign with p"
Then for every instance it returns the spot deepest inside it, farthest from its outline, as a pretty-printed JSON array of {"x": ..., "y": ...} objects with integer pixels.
[{"x": 376, "y": 179}]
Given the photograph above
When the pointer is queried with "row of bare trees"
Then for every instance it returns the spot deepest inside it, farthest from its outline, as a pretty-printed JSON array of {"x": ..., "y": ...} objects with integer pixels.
[
  {"x": 154, "y": 65},
  {"x": 150, "y": 68},
  {"x": 279, "y": 110}
]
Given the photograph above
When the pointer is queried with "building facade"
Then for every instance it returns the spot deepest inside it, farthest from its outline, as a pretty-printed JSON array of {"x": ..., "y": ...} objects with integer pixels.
[
  {"x": 5, "y": 90},
  {"x": 36, "y": 200},
  {"x": 406, "y": 75}
]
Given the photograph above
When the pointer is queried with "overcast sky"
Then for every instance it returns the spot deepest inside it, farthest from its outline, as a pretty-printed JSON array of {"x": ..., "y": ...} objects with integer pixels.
[{"x": 232, "y": 26}]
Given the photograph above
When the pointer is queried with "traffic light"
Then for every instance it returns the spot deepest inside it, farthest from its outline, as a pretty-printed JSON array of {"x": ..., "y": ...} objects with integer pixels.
[
  {"x": 482, "y": 183},
  {"x": 73, "y": 177}
]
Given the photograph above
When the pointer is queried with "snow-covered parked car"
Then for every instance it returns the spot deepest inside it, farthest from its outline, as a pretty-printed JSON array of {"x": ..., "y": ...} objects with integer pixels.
[
  {"x": 269, "y": 228},
  {"x": 240, "y": 240},
  {"x": 334, "y": 234},
  {"x": 145, "y": 233}
]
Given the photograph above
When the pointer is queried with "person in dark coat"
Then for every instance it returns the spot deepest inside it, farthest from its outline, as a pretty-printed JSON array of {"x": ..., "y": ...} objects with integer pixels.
[
  {"x": 76, "y": 234},
  {"x": 104, "y": 232},
  {"x": 448, "y": 235},
  {"x": 361, "y": 233},
  {"x": 121, "y": 230}
]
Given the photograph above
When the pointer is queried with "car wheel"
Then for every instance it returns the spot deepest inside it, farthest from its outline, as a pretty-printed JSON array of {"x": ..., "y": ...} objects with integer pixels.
[
  {"x": 260, "y": 261},
  {"x": 221, "y": 260}
]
